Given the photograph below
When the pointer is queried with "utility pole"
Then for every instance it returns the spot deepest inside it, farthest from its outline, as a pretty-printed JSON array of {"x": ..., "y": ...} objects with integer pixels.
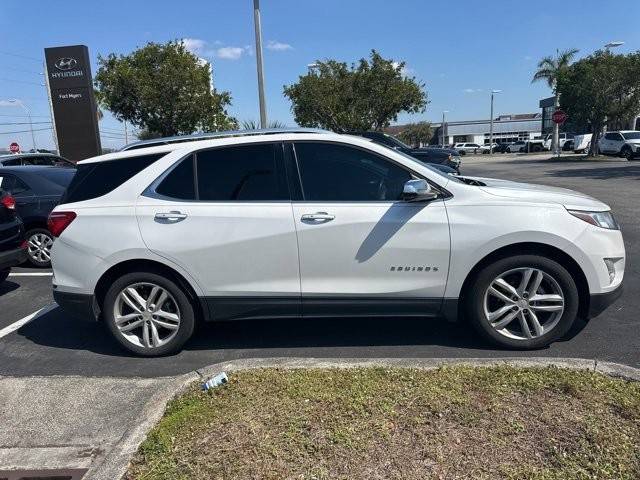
[
  {"x": 493, "y": 92},
  {"x": 259, "y": 64},
  {"x": 126, "y": 134},
  {"x": 442, "y": 126}
]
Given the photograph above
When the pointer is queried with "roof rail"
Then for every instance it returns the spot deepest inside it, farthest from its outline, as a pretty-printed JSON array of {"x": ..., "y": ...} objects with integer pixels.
[{"x": 212, "y": 135}]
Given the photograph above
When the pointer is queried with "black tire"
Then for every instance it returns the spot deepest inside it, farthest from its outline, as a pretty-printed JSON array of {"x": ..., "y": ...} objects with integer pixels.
[
  {"x": 627, "y": 153},
  {"x": 4, "y": 274},
  {"x": 33, "y": 260},
  {"x": 462, "y": 152},
  {"x": 474, "y": 302},
  {"x": 187, "y": 314}
]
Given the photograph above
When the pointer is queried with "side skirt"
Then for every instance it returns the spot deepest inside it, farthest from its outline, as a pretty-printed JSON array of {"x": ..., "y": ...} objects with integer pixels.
[{"x": 246, "y": 308}]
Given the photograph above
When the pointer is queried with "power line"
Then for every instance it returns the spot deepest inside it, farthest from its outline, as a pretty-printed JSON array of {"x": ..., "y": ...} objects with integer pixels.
[
  {"x": 22, "y": 116},
  {"x": 21, "y": 81},
  {"x": 26, "y": 131},
  {"x": 17, "y": 55},
  {"x": 23, "y": 123},
  {"x": 22, "y": 70}
]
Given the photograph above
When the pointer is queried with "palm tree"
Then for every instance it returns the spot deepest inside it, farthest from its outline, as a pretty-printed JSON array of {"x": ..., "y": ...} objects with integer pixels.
[{"x": 549, "y": 69}]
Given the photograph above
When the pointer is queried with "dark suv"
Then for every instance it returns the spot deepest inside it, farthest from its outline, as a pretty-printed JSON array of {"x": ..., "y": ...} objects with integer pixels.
[
  {"x": 12, "y": 244},
  {"x": 36, "y": 190},
  {"x": 43, "y": 159},
  {"x": 437, "y": 156}
]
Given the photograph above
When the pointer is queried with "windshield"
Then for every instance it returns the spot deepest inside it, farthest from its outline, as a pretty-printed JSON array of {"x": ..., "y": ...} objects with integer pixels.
[
  {"x": 631, "y": 135},
  {"x": 444, "y": 176},
  {"x": 396, "y": 142},
  {"x": 59, "y": 176}
]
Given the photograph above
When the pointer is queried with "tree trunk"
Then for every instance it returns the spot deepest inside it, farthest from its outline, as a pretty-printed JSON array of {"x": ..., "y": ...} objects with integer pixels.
[{"x": 595, "y": 133}]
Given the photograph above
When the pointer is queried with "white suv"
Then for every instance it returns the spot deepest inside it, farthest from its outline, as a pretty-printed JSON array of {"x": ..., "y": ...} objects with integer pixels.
[
  {"x": 624, "y": 142},
  {"x": 153, "y": 240}
]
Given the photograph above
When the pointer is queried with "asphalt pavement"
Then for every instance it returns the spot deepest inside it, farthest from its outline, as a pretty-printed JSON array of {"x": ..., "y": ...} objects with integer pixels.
[{"x": 54, "y": 344}]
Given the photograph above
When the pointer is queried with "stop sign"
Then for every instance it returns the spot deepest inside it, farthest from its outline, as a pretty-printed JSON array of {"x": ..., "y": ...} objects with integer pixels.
[
  {"x": 559, "y": 117},
  {"x": 14, "y": 147}
]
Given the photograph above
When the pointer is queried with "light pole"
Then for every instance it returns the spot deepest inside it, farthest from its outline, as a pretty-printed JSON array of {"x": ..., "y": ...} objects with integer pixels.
[
  {"x": 442, "y": 127},
  {"x": 19, "y": 102},
  {"x": 259, "y": 64},
  {"x": 493, "y": 92},
  {"x": 610, "y": 45}
]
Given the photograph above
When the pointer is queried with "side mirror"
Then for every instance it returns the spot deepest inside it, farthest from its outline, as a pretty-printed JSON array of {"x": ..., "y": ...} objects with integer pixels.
[{"x": 418, "y": 191}]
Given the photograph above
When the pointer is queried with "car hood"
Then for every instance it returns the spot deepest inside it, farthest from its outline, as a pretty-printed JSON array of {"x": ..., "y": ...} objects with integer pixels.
[
  {"x": 635, "y": 141},
  {"x": 528, "y": 192}
]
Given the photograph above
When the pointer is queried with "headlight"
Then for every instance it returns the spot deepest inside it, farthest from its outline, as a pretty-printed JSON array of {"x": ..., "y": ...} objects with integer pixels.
[{"x": 599, "y": 219}]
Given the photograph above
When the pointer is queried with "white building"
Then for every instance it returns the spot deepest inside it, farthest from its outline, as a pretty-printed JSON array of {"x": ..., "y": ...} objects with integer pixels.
[{"x": 506, "y": 128}]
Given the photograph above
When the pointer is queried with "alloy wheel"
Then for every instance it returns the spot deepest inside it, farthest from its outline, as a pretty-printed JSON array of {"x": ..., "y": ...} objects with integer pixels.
[
  {"x": 146, "y": 315},
  {"x": 523, "y": 303},
  {"x": 39, "y": 247}
]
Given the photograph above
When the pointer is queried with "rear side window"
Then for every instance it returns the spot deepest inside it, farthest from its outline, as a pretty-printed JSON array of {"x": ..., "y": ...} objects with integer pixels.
[
  {"x": 179, "y": 182},
  {"x": 94, "y": 180},
  {"x": 242, "y": 173}
]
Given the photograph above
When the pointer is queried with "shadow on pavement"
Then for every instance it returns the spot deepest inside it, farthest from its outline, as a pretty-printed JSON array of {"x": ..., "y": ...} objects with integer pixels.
[
  {"x": 54, "y": 329},
  {"x": 8, "y": 286}
]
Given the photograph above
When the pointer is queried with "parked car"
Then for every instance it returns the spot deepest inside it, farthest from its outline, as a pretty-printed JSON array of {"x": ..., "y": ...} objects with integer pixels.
[
  {"x": 36, "y": 191},
  {"x": 516, "y": 147},
  {"x": 43, "y": 159},
  {"x": 533, "y": 146},
  {"x": 563, "y": 137},
  {"x": 502, "y": 147},
  {"x": 486, "y": 149},
  {"x": 625, "y": 143},
  {"x": 320, "y": 225},
  {"x": 582, "y": 143},
  {"x": 13, "y": 248},
  {"x": 464, "y": 148},
  {"x": 432, "y": 155}
]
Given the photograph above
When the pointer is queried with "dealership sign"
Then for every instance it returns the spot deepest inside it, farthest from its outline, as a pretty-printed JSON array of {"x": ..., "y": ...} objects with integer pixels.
[{"x": 74, "y": 106}]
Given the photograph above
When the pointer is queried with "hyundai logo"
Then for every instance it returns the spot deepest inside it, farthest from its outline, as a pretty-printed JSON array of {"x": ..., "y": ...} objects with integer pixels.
[{"x": 66, "y": 63}]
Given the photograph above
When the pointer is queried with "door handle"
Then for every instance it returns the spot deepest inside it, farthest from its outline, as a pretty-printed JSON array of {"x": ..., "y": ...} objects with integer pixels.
[
  {"x": 172, "y": 216},
  {"x": 318, "y": 217}
]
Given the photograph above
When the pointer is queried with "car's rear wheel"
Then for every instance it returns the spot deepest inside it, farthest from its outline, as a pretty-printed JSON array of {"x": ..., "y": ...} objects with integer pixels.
[
  {"x": 523, "y": 302},
  {"x": 627, "y": 153},
  {"x": 148, "y": 314},
  {"x": 4, "y": 274},
  {"x": 39, "y": 243}
]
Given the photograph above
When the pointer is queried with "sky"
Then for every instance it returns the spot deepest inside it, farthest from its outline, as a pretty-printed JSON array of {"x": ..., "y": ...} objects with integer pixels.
[{"x": 460, "y": 50}]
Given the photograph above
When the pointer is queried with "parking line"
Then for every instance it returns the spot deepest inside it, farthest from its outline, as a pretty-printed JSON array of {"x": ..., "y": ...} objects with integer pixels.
[
  {"x": 23, "y": 321},
  {"x": 31, "y": 274}
]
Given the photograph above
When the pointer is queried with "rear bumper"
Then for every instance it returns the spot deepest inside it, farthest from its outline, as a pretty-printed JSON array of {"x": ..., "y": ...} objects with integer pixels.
[
  {"x": 79, "y": 305},
  {"x": 599, "y": 302},
  {"x": 11, "y": 258}
]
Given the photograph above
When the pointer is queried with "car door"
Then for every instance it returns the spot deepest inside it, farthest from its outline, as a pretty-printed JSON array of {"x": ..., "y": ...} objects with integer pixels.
[
  {"x": 607, "y": 143},
  {"x": 231, "y": 228},
  {"x": 364, "y": 251},
  {"x": 26, "y": 201}
]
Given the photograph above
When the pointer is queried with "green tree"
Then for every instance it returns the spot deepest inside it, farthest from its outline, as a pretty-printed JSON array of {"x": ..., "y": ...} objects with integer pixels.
[
  {"x": 366, "y": 96},
  {"x": 163, "y": 89},
  {"x": 416, "y": 133},
  {"x": 253, "y": 125},
  {"x": 549, "y": 70},
  {"x": 601, "y": 89}
]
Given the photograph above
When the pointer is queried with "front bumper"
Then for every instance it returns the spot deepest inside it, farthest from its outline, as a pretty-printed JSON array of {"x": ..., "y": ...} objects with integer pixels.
[
  {"x": 11, "y": 258},
  {"x": 599, "y": 302},
  {"x": 79, "y": 305}
]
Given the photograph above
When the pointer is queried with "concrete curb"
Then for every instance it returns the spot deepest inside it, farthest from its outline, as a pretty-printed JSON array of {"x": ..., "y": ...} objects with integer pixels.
[{"x": 114, "y": 464}]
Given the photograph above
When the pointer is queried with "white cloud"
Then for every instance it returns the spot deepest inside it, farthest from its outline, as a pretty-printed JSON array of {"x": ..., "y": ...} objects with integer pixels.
[
  {"x": 194, "y": 45},
  {"x": 278, "y": 46},
  {"x": 406, "y": 71},
  {"x": 230, "y": 53},
  {"x": 7, "y": 103},
  {"x": 472, "y": 90},
  {"x": 528, "y": 57}
]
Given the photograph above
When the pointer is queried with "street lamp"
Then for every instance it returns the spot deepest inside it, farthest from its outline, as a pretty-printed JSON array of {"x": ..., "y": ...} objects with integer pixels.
[
  {"x": 259, "y": 64},
  {"x": 442, "y": 127},
  {"x": 19, "y": 102},
  {"x": 493, "y": 92}
]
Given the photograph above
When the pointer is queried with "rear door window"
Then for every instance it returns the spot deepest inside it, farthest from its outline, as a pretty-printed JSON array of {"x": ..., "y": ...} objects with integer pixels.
[{"x": 93, "y": 180}]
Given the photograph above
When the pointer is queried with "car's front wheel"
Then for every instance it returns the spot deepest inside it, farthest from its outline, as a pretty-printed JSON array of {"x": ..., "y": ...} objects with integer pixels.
[
  {"x": 627, "y": 153},
  {"x": 522, "y": 302},
  {"x": 148, "y": 314}
]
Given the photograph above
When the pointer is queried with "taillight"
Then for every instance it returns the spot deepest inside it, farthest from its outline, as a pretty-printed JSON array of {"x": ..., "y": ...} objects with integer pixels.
[
  {"x": 58, "y": 221},
  {"x": 9, "y": 202}
]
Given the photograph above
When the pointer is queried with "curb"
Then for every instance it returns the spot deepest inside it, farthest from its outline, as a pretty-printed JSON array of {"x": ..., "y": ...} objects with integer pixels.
[{"x": 114, "y": 464}]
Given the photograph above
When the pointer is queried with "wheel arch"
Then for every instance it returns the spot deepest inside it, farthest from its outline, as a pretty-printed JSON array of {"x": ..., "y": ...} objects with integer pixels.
[
  {"x": 146, "y": 265},
  {"x": 530, "y": 248}
]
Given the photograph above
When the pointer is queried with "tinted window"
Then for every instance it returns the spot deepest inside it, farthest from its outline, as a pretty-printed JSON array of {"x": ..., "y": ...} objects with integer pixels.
[
  {"x": 243, "y": 173},
  {"x": 12, "y": 162},
  {"x": 60, "y": 176},
  {"x": 12, "y": 184},
  {"x": 632, "y": 135},
  {"x": 179, "y": 182},
  {"x": 93, "y": 180},
  {"x": 610, "y": 136},
  {"x": 332, "y": 172}
]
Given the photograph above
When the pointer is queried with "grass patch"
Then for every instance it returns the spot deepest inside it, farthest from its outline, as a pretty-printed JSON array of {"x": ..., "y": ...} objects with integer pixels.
[{"x": 375, "y": 423}]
